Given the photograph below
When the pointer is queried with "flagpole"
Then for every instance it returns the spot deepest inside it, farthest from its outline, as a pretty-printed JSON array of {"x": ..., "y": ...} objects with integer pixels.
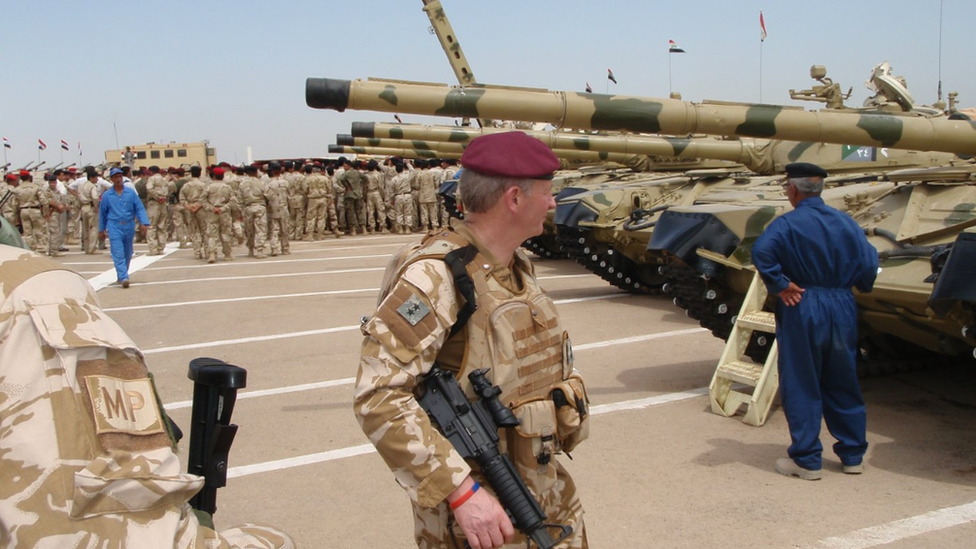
[
  {"x": 670, "y": 87},
  {"x": 760, "y": 70}
]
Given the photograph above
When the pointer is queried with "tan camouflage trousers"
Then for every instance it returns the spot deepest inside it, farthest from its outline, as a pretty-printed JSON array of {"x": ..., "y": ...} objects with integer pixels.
[
  {"x": 296, "y": 210},
  {"x": 253, "y": 536},
  {"x": 434, "y": 527},
  {"x": 89, "y": 228},
  {"x": 54, "y": 240},
  {"x": 321, "y": 216},
  {"x": 74, "y": 218},
  {"x": 256, "y": 227},
  {"x": 156, "y": 236},
  {"x": 35, "y": 229},
  {"x": 375, "y": 212},
  {"x": 198, "y": 232},
  {"x": 178, "y": 212},
  {"x": 403, "y": 207},
  {"x": 278, "y": 235},
  {"x": 428, "y": 216},
  {"x": 219, "y": 230}
]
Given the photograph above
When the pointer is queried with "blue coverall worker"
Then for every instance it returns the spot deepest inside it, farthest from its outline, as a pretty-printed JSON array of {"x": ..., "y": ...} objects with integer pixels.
[
  {"x": 117, "y": 211},
  {"x": 811, "y": 257}
]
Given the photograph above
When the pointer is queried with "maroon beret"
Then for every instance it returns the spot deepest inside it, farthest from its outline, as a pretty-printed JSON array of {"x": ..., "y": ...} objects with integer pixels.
[
  {"x": 24, "y": 173},
  {"x": 11, "y": 176},
  {"x": 218, "y": 171},
  {"x": 510, "y": 154}
]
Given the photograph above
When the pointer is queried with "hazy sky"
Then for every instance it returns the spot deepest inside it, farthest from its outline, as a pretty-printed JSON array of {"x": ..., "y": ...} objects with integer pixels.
[{"x": 233, "y": 72}]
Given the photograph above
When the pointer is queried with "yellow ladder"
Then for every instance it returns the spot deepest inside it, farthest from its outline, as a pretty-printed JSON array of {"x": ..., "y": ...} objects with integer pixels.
[{"x": 736, "y": 367}]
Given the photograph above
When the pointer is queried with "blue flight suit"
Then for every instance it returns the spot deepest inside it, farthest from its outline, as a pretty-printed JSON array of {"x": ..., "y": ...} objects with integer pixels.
[
  {"x": 116, "y": 215},
  {"x": 825, "y": 252}
]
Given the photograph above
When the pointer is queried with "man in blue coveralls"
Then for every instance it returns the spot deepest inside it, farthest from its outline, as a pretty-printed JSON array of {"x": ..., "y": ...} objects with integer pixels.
[
  {"x": 119, "y": 207},
  {"x": 811, "y": 257}
]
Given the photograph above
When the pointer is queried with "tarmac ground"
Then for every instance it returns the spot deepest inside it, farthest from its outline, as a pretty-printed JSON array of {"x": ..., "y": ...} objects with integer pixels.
[{"x": 658, "y": 470}]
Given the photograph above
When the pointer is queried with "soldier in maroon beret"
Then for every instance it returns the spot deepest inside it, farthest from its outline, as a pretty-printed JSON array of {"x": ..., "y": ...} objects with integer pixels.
[{"x": 466, "y": 297}]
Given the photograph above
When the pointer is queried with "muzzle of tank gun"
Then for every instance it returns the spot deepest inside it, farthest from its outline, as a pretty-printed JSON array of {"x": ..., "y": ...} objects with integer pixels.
[
  {"x": 344, "y": 139},
  {"x": 363, "y": 129},
  {"x": 327, "y": 93}
]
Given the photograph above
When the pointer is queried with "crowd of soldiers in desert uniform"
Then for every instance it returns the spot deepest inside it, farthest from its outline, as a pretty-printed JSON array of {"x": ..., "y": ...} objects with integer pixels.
[{"x": 262, "y": 205}]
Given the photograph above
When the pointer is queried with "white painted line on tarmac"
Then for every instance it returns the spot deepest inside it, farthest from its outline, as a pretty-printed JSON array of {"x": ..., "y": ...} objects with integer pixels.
[
  {"x": 874, "y": 536},
  {"x": 250, "y": 277},
  {"x": 272, "y": 337},
  {"x": 276, "y": 391},
  {"x": 137, "y": 264},
  {"x": 647, "y": 402},
  {"x": 637, "y": 339},
  {"x": 264, "y": 262},
  {"x": 298, "y": 461},
  {"x": 239, "y": 299},
  {"x": 289, "y": 335}
]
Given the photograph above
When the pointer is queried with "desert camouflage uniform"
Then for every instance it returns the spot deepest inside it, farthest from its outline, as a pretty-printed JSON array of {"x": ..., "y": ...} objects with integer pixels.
[
  {"x": 220, "y": 196},
  {"x": 84, "y": 466},
  {"x": 57, "y": 203},
  {"x": 297, "y": 191},
  {"x": 389, "y": 172},
  {"x": 236, "y": 214},
  {"x": 157, "y": 200},
  {"x": 181, "y": 221},
  {"x": 193, "y": 198},
  {"x": 515, "y": 331},
  {"x": 321, "y": 212},
  {"x": 255, "y": 196},
  {"x": 427, "y": 198},
  {"x": 375, "y": 209},
  {"x": 11, "y": 208},
  {"x": 278, "y": 209},
  {"x": 403, "y": 202},
  {"x": 88, "y": 198},
  {"x": 33, "y": 208}
]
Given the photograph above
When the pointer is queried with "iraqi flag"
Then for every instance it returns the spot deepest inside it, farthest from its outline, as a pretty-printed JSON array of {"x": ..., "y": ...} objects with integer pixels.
[
  {"x": 6, "y": 143},
  {"x": 41, "y": 145},
  {"x": 65, "y": 146},
  {"x": 610, "y": 76},
  {"x": 589, "y": 88},
  {"x": 762, "y": 27},
  {"x": 673, "y": 48}
]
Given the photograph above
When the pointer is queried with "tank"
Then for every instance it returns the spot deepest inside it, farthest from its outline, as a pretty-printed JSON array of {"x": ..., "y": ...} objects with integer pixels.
[{"x": 897, "y": 315}]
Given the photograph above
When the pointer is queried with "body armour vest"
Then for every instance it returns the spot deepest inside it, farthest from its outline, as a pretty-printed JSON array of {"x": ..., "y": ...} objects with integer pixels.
[{"x": 515, "y": 334}]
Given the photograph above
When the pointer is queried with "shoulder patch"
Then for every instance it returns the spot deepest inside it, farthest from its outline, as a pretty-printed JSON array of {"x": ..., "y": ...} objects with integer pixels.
[
  {"x": 413, "y": 309},
  {"x": 124, "y": 406}
]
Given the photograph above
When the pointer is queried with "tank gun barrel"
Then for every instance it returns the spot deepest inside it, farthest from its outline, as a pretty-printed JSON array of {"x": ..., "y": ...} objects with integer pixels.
[
  {"x": 626, "y": 144},
  {"x": 414, "y": 149},
  {"x": 589, "y": 111}
]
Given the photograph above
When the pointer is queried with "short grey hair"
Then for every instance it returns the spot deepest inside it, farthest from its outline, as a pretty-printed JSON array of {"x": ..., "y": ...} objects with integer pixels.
[
  {"x": 478, "y": 193},
  {"x": 807, "y": 185}
]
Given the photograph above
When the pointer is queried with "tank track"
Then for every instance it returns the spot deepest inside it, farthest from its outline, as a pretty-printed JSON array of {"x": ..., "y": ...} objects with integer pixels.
[
  {"x": 546, "y": 247},
  {"x": 618, "y": 270},
  {"x": 712, "y": 305}
]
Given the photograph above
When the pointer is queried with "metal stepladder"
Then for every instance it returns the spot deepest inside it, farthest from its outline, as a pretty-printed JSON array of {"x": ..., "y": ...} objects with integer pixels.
[{"x": 735, "y": 367}]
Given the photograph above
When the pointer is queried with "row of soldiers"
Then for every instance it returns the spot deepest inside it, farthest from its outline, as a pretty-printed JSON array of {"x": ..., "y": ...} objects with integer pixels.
[
  {"x": 260, "y": 205},
  {"x": 43, "y": 212},
  {"x": 275, "y": 203}
]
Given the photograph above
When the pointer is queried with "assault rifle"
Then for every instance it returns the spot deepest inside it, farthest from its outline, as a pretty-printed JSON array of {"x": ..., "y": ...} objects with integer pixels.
[
  {"x": 211, "y": 432},
  {"x": 472, "y": 428}
]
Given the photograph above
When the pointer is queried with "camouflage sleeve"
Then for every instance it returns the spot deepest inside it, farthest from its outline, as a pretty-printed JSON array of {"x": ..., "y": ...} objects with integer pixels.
[
  {"x": 87, "y": 457},
  {"x": 403, "y": 339}
]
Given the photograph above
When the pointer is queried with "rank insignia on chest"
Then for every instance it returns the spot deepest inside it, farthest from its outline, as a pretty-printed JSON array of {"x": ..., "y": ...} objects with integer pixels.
[{"x": 413, "y": 310}]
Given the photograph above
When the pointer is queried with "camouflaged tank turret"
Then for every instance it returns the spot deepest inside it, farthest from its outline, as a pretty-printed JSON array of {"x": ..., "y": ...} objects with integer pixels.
[{"x": 920, "y": 220}]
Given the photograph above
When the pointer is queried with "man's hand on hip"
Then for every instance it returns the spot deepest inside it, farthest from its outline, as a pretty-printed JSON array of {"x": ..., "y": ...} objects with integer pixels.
[{"x": 792, "y": 295}]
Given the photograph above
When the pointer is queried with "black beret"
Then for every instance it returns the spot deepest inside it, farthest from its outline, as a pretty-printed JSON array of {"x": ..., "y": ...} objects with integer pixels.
[
  {"x": 510, "y": 154},
  {"x": 804, "y": 169},
  {"x": 49, "y": 177},
  {"x": 251, "y": 168}
]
